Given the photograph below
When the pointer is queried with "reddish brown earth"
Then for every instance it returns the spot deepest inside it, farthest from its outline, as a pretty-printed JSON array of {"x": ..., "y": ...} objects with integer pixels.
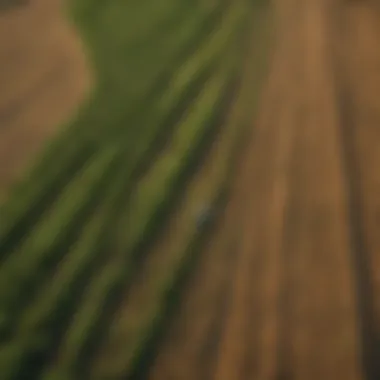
[
  {"x": 288, "y": 287},
  {"x": 43, "y": 77}
]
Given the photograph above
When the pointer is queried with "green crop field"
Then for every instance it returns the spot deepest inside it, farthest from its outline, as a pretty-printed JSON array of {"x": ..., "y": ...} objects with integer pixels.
[{"x": 99, "y": 237}]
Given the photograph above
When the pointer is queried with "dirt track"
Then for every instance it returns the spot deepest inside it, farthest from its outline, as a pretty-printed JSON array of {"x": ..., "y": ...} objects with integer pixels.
[
  {"x": 43, "y": 78},
  {"x": 287, "y": 286}
]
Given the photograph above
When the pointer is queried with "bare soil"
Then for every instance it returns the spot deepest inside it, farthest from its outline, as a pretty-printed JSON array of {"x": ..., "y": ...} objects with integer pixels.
[{"x": 43, "y": 78}]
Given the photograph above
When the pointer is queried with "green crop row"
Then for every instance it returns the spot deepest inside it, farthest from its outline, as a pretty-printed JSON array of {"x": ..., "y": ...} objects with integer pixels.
[
  {"x": 74, "y": 256},
  {"x": 76, "y": 284},
  {"x": 149, "y": 199},
  {"x": 181, "y": 84},
  {"x": 69, "y": 153},
  {"x": 42, "y": 323},
  {"x": 183, "y": 88},
  {"x": 179, "y": 19},
  {"x": 139, "y": 346},
  {"x": 57, "y": 224},
  {"x": 50, "y": 239},
  {"x": 126, "y": 361},
  {"x": 27, "y": 347},
  {"x": 131, "y": 351},
  {"x": 131, "y": 358},
  {"x": 86, "y": 321}
]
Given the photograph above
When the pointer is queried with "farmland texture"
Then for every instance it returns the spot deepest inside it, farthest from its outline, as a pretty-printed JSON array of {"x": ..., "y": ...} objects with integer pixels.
[
  {"x": 208, "y": 206},
  {"x": 101, "y": 230}
]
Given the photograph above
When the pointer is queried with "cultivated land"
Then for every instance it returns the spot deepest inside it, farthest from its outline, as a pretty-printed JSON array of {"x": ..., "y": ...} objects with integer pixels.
[{"x": 264, "y": 115}]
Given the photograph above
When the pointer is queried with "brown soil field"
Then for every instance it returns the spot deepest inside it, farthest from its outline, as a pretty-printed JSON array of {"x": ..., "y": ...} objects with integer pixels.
[{"x": 43, "y": 78}]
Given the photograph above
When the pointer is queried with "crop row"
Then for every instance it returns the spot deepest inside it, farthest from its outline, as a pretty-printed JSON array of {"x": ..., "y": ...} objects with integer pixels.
[
  {"x": 31, "y": 339},
  {"x": 51, "y": 238},
  {"x": 74, "y": 149},
  {"x": 69, "y": 211},
  {"x": 164, "y": 178},
  {"x": 134, "y": 333}
]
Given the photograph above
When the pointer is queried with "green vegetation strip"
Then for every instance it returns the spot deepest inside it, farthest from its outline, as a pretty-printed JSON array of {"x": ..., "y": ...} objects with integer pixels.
[
  {"x": 155, "y": 190},
  {"x": 43, "y": 248},
  {"x": 163, "y": 179},
  {"x": 73, "y": 357},
  {"x": 148, "y": 197},
  {"x": 135, "y": 332},
  {"x": 40, "y": 318},
  {"x": 59, "y": 223},
  {"x": 107, "y": 114}
]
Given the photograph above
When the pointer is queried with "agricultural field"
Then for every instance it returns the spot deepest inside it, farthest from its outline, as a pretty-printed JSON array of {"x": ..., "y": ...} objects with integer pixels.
[
  {"x": 190, "y": 190},
  {"x": 101, "y": 227}
]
